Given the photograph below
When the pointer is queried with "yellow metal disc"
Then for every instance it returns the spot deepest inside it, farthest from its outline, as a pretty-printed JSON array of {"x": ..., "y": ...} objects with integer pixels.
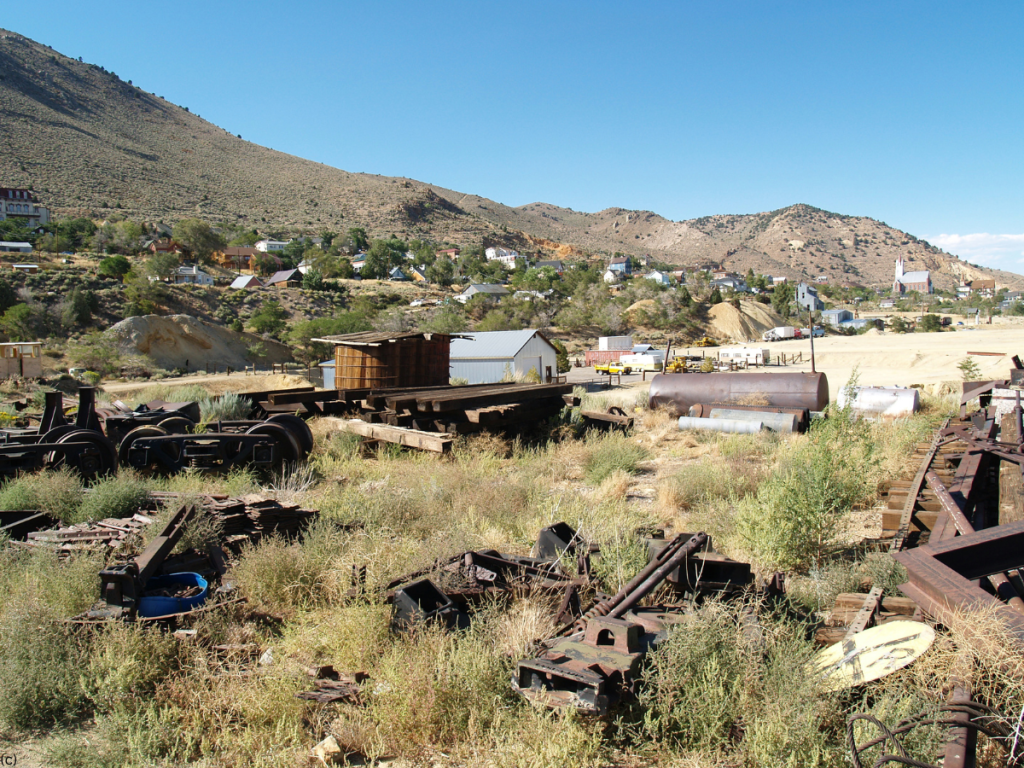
[{"x": 871, "y": 654}]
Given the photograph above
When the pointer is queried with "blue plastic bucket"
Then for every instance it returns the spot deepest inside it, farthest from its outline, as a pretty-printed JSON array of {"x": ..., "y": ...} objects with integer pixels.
[{"x": 163, "y": 606}]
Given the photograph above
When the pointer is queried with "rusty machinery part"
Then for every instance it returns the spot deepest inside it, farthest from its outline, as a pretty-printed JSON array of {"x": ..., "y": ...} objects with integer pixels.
[
  {"x": 297, "y": 426},
  {"x": 289, "y": 449},
  {"x": 122, "y": 586},
  {"x": 124, "y": 450},
  {"x": 208, "y": 452},
  {"x": 55, "y": 434},
  {"x": 177, "y": 425},
  {"x": 785, "y": 390},
  {"x": 960, "y": 714},
  {"x": 87, "y": 452}
]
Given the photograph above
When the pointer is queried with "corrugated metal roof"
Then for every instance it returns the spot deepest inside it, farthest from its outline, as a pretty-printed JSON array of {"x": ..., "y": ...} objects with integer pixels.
[
  {"x": 491, "y": 344},
  {"x": 364, "y": 338}
]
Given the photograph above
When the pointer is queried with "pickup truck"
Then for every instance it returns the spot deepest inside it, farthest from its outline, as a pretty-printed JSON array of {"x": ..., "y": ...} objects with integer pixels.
[{"x": 612, "y": 367}]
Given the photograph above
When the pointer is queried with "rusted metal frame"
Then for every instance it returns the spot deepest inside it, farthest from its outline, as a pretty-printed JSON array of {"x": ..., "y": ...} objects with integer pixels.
[
  {"x": 866, "y": 614},
  {"x": 943, "y": 575},
  {"x": 656, "y": 571},
  {"x": 962, "y": 741},
  {"x": 899, "y": 540}
]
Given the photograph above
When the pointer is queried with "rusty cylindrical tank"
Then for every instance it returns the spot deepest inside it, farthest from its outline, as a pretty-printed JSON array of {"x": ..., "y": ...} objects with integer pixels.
[{"x": 678, "y": 391}]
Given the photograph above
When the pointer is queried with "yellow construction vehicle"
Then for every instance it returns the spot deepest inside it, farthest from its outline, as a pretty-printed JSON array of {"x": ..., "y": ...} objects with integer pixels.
[
  {"x": 678, "y": 365},
  {"x": 707, "y": 341}
]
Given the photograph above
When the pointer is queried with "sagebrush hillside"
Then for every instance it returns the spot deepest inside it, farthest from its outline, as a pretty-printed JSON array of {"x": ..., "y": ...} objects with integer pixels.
[{"x": 93, "y": 144}]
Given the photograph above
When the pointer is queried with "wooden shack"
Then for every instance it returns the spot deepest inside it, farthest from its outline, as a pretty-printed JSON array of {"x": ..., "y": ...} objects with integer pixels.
[
  {"x": 23, "y": 358},
  {"x": 377, "y": 360}
]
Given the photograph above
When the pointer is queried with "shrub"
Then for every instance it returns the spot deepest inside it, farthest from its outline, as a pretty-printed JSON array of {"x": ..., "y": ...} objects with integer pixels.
[
  {"x": 39, "y": 663},
  {"x": 797, "y": 511},
  {"x": 611, "y": 452},
  {"x": 120, "y": 496},
  {"x": 56, "y": 492},
  {"x": 227, "y": 407}
]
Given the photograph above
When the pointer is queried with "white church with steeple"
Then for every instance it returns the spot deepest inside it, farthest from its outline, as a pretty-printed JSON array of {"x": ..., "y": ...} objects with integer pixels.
[{"x": 904, "y": 282}]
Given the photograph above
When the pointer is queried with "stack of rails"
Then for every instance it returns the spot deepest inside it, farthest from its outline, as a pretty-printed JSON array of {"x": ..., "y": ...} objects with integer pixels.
[{"x": 445, "y": 408}]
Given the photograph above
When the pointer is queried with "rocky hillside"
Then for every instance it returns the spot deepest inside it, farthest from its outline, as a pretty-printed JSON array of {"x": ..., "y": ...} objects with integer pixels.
[{"x": 92, "y": 144}]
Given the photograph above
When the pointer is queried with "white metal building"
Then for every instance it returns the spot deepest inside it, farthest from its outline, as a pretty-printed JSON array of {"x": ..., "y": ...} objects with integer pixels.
[{"x": 485, "y": 358}]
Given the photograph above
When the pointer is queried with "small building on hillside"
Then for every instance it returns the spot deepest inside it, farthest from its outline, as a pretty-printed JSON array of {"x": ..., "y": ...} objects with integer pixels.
[
  {"x": 286, "y": 278},
  {"x": 556, "y": 265},
  {"x": 610, "y": 277},
  {"x": 165, "y": 246},
  {"x": 807, "y": 298},
  {"x": 886, "y": 304},
  {"x": 621, "y": 265},
  {"x": 836, "y": 317},
  {"x": 374, "y": 359},
  {"x": 488, "y": 357},
  {"x": 28, "y": 269},
  {"x": 269, "y": 246},
  {"x": 504, "y": 256},
  {"x": 396, "y": 274},
  {"x": 237, "y": 258},
  {"x": 245, "y": 282},
  {"x": 417, "y": 274},
  {"x": 358, "y": 262},
  {"x": 490, "y": 291},
  {"x": 449, "y": 253},
  {"x": 191, "y": 275},
  {"x": 658, "y": 277},
  {"x": 21, "y": 359},
  {"x": 15, "y": 246}
]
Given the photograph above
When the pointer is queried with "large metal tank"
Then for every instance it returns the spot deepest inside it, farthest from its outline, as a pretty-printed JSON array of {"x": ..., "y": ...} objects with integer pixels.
[{"x": 678, "y": 391}]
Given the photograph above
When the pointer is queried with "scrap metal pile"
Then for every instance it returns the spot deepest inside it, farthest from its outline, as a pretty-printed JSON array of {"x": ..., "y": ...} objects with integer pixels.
[
  {"x": 958, "y": 529},
  {"x": 238, "y": 521},
  {"x": 156, "y": 437},
  {"x": 427, "y": 417},
  {"x": 594, "y": 660}
]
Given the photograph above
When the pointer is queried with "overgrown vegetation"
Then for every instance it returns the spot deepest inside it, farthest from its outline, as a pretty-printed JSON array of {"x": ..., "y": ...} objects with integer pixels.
[{"x": 728, "y": 686}]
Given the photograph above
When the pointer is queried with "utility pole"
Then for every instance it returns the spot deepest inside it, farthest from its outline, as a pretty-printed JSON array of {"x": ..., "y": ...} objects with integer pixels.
[{"x": 810, "y": 318}]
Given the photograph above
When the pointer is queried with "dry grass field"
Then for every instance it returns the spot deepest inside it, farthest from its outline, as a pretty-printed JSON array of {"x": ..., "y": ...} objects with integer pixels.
[{"x": 124, "y": 695}]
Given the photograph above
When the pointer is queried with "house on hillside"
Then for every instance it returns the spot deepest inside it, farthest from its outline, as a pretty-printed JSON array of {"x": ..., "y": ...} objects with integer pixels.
[
  {"x": 732, "y": 283},
  {"x": 237, "y": 258},
  {"x": 779, "y": 280},
  {"x": 20, "y": 204},
  {"x": 485, "y": 358},
  {"x": 658, "y": 277},
  {"x": 610, "y": 277},
  {"x": 246, "y": 282},
  {"x": 807, "y": 298},
  {"x": 269, "y": 246},
  {"x": 165, "y": 246},
  {"x": 15, "y": 246},
  {"x": 449, "y": 253},
  {"x": 28, "y": 269},
  {"x": 417, "y": 274},
  {"x": 286, "y": 278},
  {"x": 904, "y": 282},
  {"x": 886, "y": 304},
  {"x": 505, "y": 257},
  {"x": 985, "y": 289},
  {"x": 190, "y": 274},
  {"x": 358, "y": 262},
  {"x": 621, "y": 266},
  {"x": 557, "y": 265},
  {"x": 493, "y": 292},
  {"x": 396, "y": 274}
]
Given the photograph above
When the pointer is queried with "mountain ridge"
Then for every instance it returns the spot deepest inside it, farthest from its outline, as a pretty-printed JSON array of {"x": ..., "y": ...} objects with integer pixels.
[{"x": 90, "y": 143}]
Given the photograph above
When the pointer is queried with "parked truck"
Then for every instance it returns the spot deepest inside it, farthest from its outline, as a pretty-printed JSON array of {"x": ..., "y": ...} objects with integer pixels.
[{"x": 781, "y": 333}]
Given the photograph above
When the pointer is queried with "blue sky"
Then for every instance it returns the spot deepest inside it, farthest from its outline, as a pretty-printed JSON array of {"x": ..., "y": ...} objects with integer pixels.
[{"x": 908, "y": 112}]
